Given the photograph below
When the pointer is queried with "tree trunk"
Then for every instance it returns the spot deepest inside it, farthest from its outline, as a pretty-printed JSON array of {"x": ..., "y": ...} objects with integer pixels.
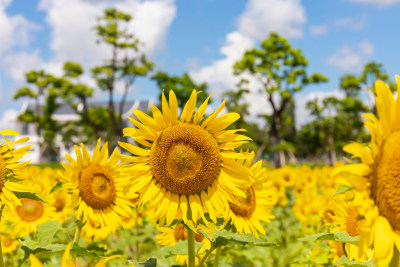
[
  {"x": 332, "y": 151},
  {"x": 282, "y": 159}
]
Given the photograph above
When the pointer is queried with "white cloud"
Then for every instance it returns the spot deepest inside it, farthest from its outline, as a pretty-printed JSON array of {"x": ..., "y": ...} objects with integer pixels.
[
  {"x": 319, "y": 29},
  {"x": 219, "y": 75},
  {"x": 72, "y": 21},
  {"x": 14, "y": 30},
  {"x": 351, "y": 58},
  {"x": 15, "y": 65},
  {"x": 301, "y": 99},
  {"x": 350, "y": 23},
  {"x": 8, "y": 119},
  {"x": 286, "y": 17},
  {"x": 377, "y": 2}
]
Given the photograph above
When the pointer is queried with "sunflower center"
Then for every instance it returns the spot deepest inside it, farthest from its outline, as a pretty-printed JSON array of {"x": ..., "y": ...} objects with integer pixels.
[
  {"x": 30, "y": 210},
  {"x": 6, "y": 241},
  {"x": 3, "y": 172},
  {"x": 185, "y": 159},
  {"x": 59, "y": 204},
  {"x": 180, "y": 233},
  {"x": 247, "y": 205},
  {"x": 385, "y": 182},
  {"x": 353, "y": 222},
  {"x": 96, "y": 186}
]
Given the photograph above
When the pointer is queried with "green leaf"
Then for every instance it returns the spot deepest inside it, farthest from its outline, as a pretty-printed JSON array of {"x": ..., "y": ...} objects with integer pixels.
[
  {"x": 340, "y": 237},
  {"x": 180, "y": 248},
  {"x": 342, "y": 189},
  {"x": 47, "y": 231},
  {"x": 32, "y": 246},
  {"x": 149, "y": 263},
  {"x": 58, "y": 185},
  {"x": 346, "y": 262},
  {"x": 29, "y": 195},
  {"x": 85, "y": 252},
  {"x": 221, "y": 238}
]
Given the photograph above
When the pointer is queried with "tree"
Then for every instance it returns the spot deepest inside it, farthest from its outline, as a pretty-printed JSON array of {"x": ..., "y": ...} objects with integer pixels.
[
  {"x": 182, "y": 87},
  {"x": 44, "y": 95},
  {"x": 125, "y": 65},
  {"x": 281, "y": 72}
]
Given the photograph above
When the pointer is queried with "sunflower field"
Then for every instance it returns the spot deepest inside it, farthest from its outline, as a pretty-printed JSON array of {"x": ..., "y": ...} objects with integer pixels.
[{"x": 182, "y": 192}]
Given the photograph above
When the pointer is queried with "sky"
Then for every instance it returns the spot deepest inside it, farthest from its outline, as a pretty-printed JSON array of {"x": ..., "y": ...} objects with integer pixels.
[{"x": 201, "y": 37}]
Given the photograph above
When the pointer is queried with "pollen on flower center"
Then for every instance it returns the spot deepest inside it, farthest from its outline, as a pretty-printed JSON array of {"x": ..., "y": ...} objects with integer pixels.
[
  {"x": 3, "y": 172},
  {"x": 30, "y": 210},
  {"x": 247, "y": 205},
  {"x": 385, "y": 182},
  {"x": 185, "y": 158},
  {"x": 96, "y": 186}
]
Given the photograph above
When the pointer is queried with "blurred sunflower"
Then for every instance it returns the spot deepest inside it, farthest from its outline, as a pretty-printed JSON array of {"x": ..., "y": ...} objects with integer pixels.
[
  {"x": 9, "y": 165},
  {"x": 66, "y": 262},
  {"x": 347, "y": 215},
  {"x": 93, "y": 232},
  {"x": 257, "y": 204},
  {"x": 97, "y": 185},
  {"x": 187, "y": 168},
  {"x": 8, "y": 245},
  {"x": 380, "y": 167},
  {"x": 169, "y": 237}
]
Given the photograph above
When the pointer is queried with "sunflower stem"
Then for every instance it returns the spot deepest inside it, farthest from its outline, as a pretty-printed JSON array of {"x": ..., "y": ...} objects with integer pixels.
[
  {"x": 191, "y": 249},
  {"x": 217, "y": 255},
  {"x": 395, "y": 259},
  {"x": 77, "y": 236}
]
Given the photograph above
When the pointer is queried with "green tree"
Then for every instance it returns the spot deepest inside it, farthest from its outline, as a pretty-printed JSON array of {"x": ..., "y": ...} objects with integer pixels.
[
  {"x": 125, "y": 65},
  {"x": 281, "y": 72},
  {"x": 182, "y": 87},
  {"x": 44, "y": 95}
]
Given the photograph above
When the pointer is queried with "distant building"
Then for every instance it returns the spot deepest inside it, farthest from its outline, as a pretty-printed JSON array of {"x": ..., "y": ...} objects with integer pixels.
[{"x": 66, "y": 114}]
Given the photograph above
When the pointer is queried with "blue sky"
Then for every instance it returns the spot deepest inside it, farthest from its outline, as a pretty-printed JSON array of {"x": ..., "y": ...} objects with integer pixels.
[{"x": 202, "y": 37}]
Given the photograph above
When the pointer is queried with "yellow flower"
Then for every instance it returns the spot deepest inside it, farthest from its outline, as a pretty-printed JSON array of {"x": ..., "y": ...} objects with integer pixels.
[
  {"x": 96, "y": 185},
  {"x": 188, "y": 166},
  {"x": 257, "y": 204},
  {"x": 8, "y": 245},
  {"x": 380, "y": 169},
  {"x": 169, "y": 237},
  {"x": 93, "y": 232},
  {"x": 9, "y": 165},
  {"x": 66, "y": 262}
]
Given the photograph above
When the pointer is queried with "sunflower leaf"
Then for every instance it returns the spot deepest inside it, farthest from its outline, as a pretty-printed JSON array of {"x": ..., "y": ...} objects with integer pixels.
[
  {"x": 180, "y": 248},
  {"x": 58, "y": 185},
  {"x": 33, "y": 247},
  {"x": 343, "y": 261},
  {"x": 340, "y": 237},
  {"x": 46, "y": 231},
  {"x": 221, "y": 238},
  {"x": 29, "y": 195},
  {"x": 342, "y": 189},
  {"x": 85, "y": 252}
]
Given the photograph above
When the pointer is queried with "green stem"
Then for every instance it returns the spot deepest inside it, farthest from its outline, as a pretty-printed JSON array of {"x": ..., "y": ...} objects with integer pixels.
[
  {"x": 191, "y": 249},
  {"x": 395, "y": 258},
  {"x": 77, "y": 236},
  {"x": 217, "y": 255},
  {"x": 203, "y": 260}
]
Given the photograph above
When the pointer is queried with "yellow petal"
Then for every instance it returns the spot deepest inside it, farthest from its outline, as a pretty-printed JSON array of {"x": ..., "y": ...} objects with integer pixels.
[
  {"x": 189, "y": 107},
  {"x": 173, "y": 106},
  {"x": 35, "y": 261},
  {"x": 200, "y": 111},
  {"x": 8, "y": 132}
]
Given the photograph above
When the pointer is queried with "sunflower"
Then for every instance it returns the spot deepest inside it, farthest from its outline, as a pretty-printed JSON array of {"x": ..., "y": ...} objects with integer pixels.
[
  {"x": 96, "y": 185},
  {"x": 347, "y": 215},
  {"x": 169, "y": 237},
  {"x": 93, "y": 232},
  {"x": 188, "y": 166},
  {"x": 380, "y": 170},
  {"x": 257, "y": 204},
  {"x": 31, "y": 213},
  {"x": 66, "y": 262},
  {"x": 9, "y": 166},
  {"x": 8, "y": 245}
]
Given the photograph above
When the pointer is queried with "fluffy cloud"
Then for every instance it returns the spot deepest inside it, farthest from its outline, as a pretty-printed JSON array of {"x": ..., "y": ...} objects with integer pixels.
[
  {"x": 319, "y": 29},
  {"x": 287, "y": 17},
  {"x": 350, "y": 23},
  {"x": 8, "y": 119},
  {"x": 351, "y": 58},
  {"x": 72, "y": 21},
  {"x": 14, "y": 30},
  {"x": 377, "y": 2}
]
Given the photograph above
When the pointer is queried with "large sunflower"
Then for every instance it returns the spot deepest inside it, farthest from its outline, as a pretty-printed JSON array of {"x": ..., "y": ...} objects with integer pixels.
[
  {"x": 257, "y": 204},
  {"x": 380, "y": 167},
  {"x": 97, "y": 185},
  {"x": 188, "y": 166},
  {"x": 9, "y": 165}
]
